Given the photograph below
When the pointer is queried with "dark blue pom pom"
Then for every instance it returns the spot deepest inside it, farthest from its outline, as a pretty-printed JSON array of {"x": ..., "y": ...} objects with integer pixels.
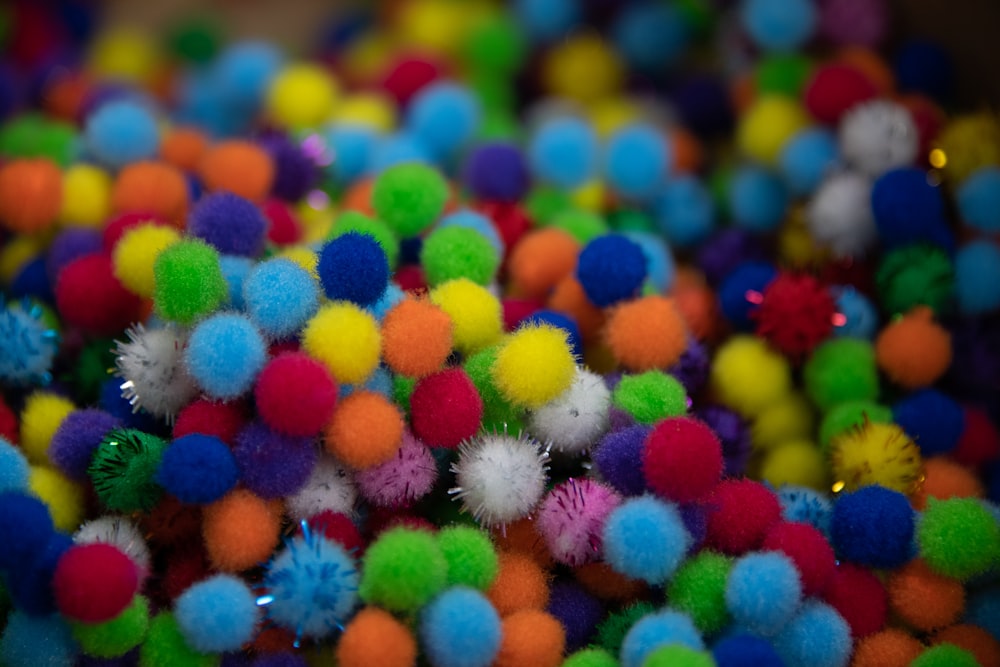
[
  {"x": 704, "y": 105},
  {"x": 198, "y": 469},
  {"x": 112, "y": 401},
  {"x": 873, "y": 526},
  {"x": 611, "y": 268},
  {"x": 497, "y": 172},
  {"x": 619, "y": 459},
  {"x": 934, "y": 421},
  {"x": 577, "y": 610},
  {"x": 740, "y": 290},
  {"x": 746, "y": 651},
  {"x": 77, "y": 437},
  {"x": 230, "y": 223},
  {"x": 909, "y": 209},
  {"x": 273, "y": 465},
  {"x": 32, "y": 281},
  {"x": 353, "y": 267},
  {"x": 31, "y": 589},
  {"x": 562, "y": 321},
  {"x": 924, "y": 67},
  {"x": 25, "y": 530}
]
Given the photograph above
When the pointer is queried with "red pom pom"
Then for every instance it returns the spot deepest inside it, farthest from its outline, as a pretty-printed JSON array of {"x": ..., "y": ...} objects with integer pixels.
[
  {"x": 740, "y": 512},
  {"x": 411, "y": 278},
  {"x": 94, "y": 582},
  {"x": 858, "y": 595},
  {"x": 339, "y": 528},
  {"x": 8, "y": 423},
  {"x": 796, "y": 314},
  {"x": 445, "y": 408},
  {"x": 808, "y": 549},
  {"x": 381, "y": 519},
  {"x": 510, "y": 220},
  {"x": 295, "y": 394},
  {"x": 980, "y": 441},
  {"x": 222, "y": 420},
  {"x": 120, "y": 224},
  {"x": 285, "y": 228},
  {"x": 836, "y": 88},
  {"x": 516, "y": 311},
  {"x": 682, "y": 459},
  {"x": 89, "y": 296},
  {"x": 409, "y": 75},
  {"x": 185, "y": 566}
]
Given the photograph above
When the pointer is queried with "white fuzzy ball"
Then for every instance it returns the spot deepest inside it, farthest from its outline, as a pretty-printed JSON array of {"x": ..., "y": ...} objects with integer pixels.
[
  {"x": 329, "y": 487},
  {"x": 151, "y": 365},
  {"x": 878, "y": 136},
  {"x": 576, "y": 419},
  {"x": 117, "y": 531},
  {"x": 840, "y": 216}
]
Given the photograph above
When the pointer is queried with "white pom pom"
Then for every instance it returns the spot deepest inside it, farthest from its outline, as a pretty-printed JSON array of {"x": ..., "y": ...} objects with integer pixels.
[
  {"x": 329, "y": 487},
  {"x": 152, "y": 367},
  {"x": 117, "y": 531},
  {"x": 499, "y": 478},
  {"x": 878, "y": 136},
  {"x": 576, "y": 419},
  {"x": 840, "y": 215}
]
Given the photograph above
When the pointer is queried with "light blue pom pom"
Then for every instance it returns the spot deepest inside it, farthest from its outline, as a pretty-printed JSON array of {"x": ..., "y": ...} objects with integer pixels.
[
  {"x": 547, "y": 19},
  {"x": 979, "y": 199},
  {"x": 860, "y": 316},
  {"x": 659, "y": 262},
  {"x": 380, "y": 381},
  {"x": 243, "y": 73},
  {"x": 460, "y": 628},
  {"x": 217, "y": 614},
  {"x": 805, "y": 505},
  {"x": 280, "y": 297},
  {"x": 27, "y": 345},
  {"x": 757, "y": 199},
  {"x": 651, "y": 35},
  {"x": 393, "y": 295},
  {"x": 444, "y": 116},
  {"x": 977, "y": 277},
  {"x": 563, "y": 152},
  {"x": 120, "y": 132},
  {"x": 779, "y": 25},
  {"x": 817, "y": 636},
  {"x": 37, "y": 641},
  {"x": 645, "y": 538},
  {"x": 636, "y": 161},
  {"x": 14, "y": 468},
  {"x": 352, "y": 147},
  {"x": 224, "y": 355},
  {"x": 763, "y": 591},
  {"x": 235, "y": 270},
  {"x": 685, "y": 211},
  {"x": 397, "y": 149},
  {"x": 655, "y": 630},
  {"x": 478, "y": 222},
  {"x": 807, "y": 158}
]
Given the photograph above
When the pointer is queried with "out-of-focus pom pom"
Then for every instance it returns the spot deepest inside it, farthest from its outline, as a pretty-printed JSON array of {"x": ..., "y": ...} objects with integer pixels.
[
  {"x": 840, "y": 371},
  {"x": 748, "y": 375},
  {"x": 27, "y": 345},
  {"x": 90, "y": 297},
  {"x": 217, "y": 614},
  {"x": 563, "y": 152},
  {"x": 839, "y": 215},
  {"x": 924, "y": 599},
  {"x": 646, "y": 333},
  {"x": 497, "y": 171},
  {"x": 816, "y": 635},
  {"x": 655, "y": 630},
  {"x": 376, "y": 637},
  {"x": 77, "y": 437},
  {"x": 229, "y": 223},
  {"x": 37, "y": 640},
  {"x": 958, "y": 537},
  {"x": 795, "y": 314},
  {"x": 636, "y": 161},
  {"x": 238, "y": 166},
  {"x": 120, "y": 132},
  {"x": 221, "y": 420},
  {"x": 909, "y": 209},
  {"x": 645, "y": 538},
  {"x": 777, "y": 26},
  {"x": 150, "y": 365},
  {"x": 877, "y": 136},
  {"x": 571, "y": 517}
]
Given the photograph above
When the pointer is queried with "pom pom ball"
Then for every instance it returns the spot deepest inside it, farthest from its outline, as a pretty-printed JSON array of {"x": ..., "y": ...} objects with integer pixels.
[
  {"x": 295, "y": 394},
  {"x": 497, "y": 172},
  {"x": 541, "y": 260},
  {"x": 453, "y": 390},
  {"x": 26, "y": 528},
  {"x": 229, "y": 223},
  {"x": 913, "y": 275},
  {"x": 280, "y": 296},
  {"x": 618, "y": 459},
  {"x": 416, "y": 337},
  {"x": 914, "y": 351},
  {"x": 889, "y": 647},
  {"x": 873, "y": 526},
  {"x": 808, "y": 549},
  {"x": 217, "y": 614},
  {"x": 740, "y": 513},
  {"x": 151, "y": 188},
  {"x": 682, "y": 459},
  {"x": 351, "y": 221},
  {"x": 197, "y": 469},
  {"x": 366, "y": 430},
  {"x": 353, "y": 267},
  {"x": 675, "y": 655},
  {"x": 472, "y": 560},
  {"x": 611, "y": 268},
  {"x": 924, "y": 599},
  {"x": 402, "y": 570},
  {"x": 300, "y": 95},
  {"x": 977, "y": 274},
  {"x": 959, "y": 538},
  {"x": 451, "y": 252},
  {"x": 877, "y": 136},
  {"x": 74, "y": 442},
  {"x": 768, "y": 125},
  {"x": 656, "y": 630},
  {"x": 474, "y": 311},
  {"x": 534, "y": 366},
  {"x": 240, "y": 167},
  {"x": 576, "y": 419},
  {"x": 834, "y": 89},
  {"x": 816, "y": 635},
  {"x": 571, "y": 517},
  {"x": 841, "y": 370},
  {"x": 699, "y": 589},
  {"x": 777, "y": 26},
  {"x": 859, "y": 597},
  {"x": 945, "y": 654},
  {"x": 978, "y": 199},
  {"x": 521, "y": 583},
  {"x": 221, "y": 420},
  {"x": 90, "y": 297},
  {"x": 330, "y": 488},
  {"x": 763, "y": 592},
  {"x": 120, "y": 132},
  {"x": 165, "y": 645},
  {"x": 37, "y": 640},
  {"x": 757, "y": 199},
  {"x": 13, "y": 468},
  {"x": 93, "y": 583},
  {"x": 271, "y": 464},
  {"x": 188, "y": 281},
  {"x": 748, "y": 375},
  {"x": 345, "y": 339},
  {"x": 645, "y": 538},
  {"x": 376, "y": 637},
  {"x": 460, "y": 628},
  {"x": 839, "y": 215},
  {"x": 225, "y": 354},
  {"x": 908, "y": 208},
  {"x": 744, "y": 650},
  {"x": 30, "y": 195},
  {"x": 403, "y": 479},
  {"x": 795, "y": 314},
  {"x": 123, "y": 470},
  {"x": 135, "y": 256},
  {"x": 636, "y": 161},
  {"x": 443, "y": 116},
  {"x": 590, "y": 657},
  {"x": 531, "y": 637},
  {"x": 240, "y": 531},
  {"x": 973, "y": 639},
  {"x": 498, "y": 478},
  {"x": 932, "y": 419},
  {"x": 563, "y": 152},
  {"x": 115, "y": 638},
  {"x": 410, "y": 198},
  {"x": 807, "y": 158}
]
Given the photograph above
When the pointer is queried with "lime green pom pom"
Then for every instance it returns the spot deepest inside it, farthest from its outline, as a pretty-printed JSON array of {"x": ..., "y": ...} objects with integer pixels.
[
  {"x": 123, "y": 470},
  {"x": 545, "y": 203},
  {"x": 678, "y": 655},
  {"x": 612, "y": 630},
  {"x": 699, "y": 588},
  {"x": 845, "y": 416},
  {"x": 534, "y": 366},
  {"x": 959, "y": 538},
  {"x": 119, "y": 635},
  {"x": 916, "y": 275},
  {"x": 839, "y": 370},
  {"x": 410, "y": 198},
  {"x": 784, "y": 74},
  {"x": 495, "y": 45},
  {"x": 591, "y": 657},
  {"x": 498, "y": 412},
  {"x": 581, "y": 225},
  {"x": 945, "y": 655},
  {"x": 402, "y": 387},
  {"x": 352, "y": 221},
  {"x": 650, "y": 396},
  {"x": 402, "y": 570},
  {"x": 472, "y": 560},
  {"x": 165, "y": 646},
  {"x": 34, "y": 135},
  {"x": 458, "y": 252},
  {"x": 188, "y": 282}
]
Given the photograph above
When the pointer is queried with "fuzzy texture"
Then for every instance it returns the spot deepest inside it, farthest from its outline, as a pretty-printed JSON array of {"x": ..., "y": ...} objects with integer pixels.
[
  {"x": 353, "y": 267},
  {"x": 224, "y": 355},
  {"x": 445, "y": 408},
  {"x": 891, "y": 646},
  {"x": 366, "y": 430},
  {"x": 123, "y": 470},
  {"x": 839, "y": 215},
  {"x": 121, "y": 533},
  {"x": 645, "y": 538},
  {"x": 859, "y": 597},
  {"x": 741, "y": 511},
  {"x": 651, "y": 396},
  {"x": 578, "y": 611},
  {"x": 188, "y": 281},
  {"x": 217, "y": 614},
  {"x": 682, "y": 459},
  {"x": 745, "y": 650},
  {"x": 27, "y": 345},
  {"x": 198, "y": 469},
  {"x": 534, "y": 366},
  {"x": 120, "y": 132},
  {"x": 646, "y": 333},
  {"x": 611, "y": 268},
  {"x": 699, "y": 589},
  {"x": 222, "y": 420},
  {"x": 115, "y": 638},
  {"x": 521, "y": 583},
  {"x": 74, "y": 442},
  {"x": 748, "y": 375},
  {"x": 165, "y": 646},
  {"x": 497, "y": 172},
  {"x": 94, "y": 583},
  {"x": 655, "y": 630},
  {"x": 295, "y": 395},
  {"x": 810, "y": 154},
  {"x": 135, "y": 255},
  {"x": 151, "y": 367},
  {"x": 734, "y": 436},
  {"x": 401, "y": 481},
  {"x": 685, "y": 211},
  {"x": 409, "y": 197},
  {"x": 471, "y": 556},
  {"x": 945, "y": 654},
  {"x": 923, "y": 599},
  {"x": 345, "y": 339},
  {"x": 763, "y": 592},
  {"x": 416, "y": 337},
  {"x": 14, "y": 468},
  {"x": 876, "y": 454},
  {"x": 809, "y": 551},
  {"x": 932, "y": 419},
  {"x": 37, "y": 640},
  {"x": 229, "y": 223},
  {"x": 452, "y": 252},
  {"x": 877, "y": 136},
  {"x": 40, "y": 418},
  {"x": 531, "y": 637},
  {"x": 913, "y": 275},
  {"x": 280, "y": 297},
  {"x": 329, "y": 488},
  {"x": 541, "y": 259},
  {"x": 376, "y": 637},
  {"x": 499, "y": 414},
  {"x": 273, "y": 465},
  {"x": 816, "y": 636},
  {"x": 402, "y": 570},
  {"x": 618, "y": 459},
  {"x": 848, "y": 415},
  {"x": 89, "y": 296},
  {"x": 26, "y": 528},
  {"x": 575, "y": 420},
  {"x": 959, "y": 538},
  {"x": 571, "y": 518},
  {"x": 460, "y": 628},
  {"x": 795, "y": 315},
  {"x": 636, "y": 161},
  {"x": 295, "y": 170},
  {"x": 873, "y": 526},
  {"x": 240, "y": 531},
  {"x": 841, "y": 370},
  {"x": 978, "y": 200}
]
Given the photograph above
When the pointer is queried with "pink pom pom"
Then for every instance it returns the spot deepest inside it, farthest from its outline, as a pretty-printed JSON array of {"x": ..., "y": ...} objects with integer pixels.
[
  {"x": 682, "y": 459},
  {"x": 445, "y": 408},
  {"x": 94, "y": 582},
  {"x": 295, "y": 394},
  {"x": 740, "y": 512},
  {"x": 859, "y": 22},
  {"x": 403, "y": 479},
  {"x": 808, "y": 549},
  {"x": 571, "y": 518}
]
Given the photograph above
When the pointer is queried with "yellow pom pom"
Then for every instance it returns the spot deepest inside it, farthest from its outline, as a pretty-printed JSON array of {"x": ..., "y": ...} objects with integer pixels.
[
  {"x": 136, "y": 252},
  {"x": 612, "y": 114},
  {"x": 796, "y": 244},
  {"x": 582, "y": 68},
  {"x": 435, "y": 26},
  {"x": 966, "y": 144},
  {"x": 748, "y": 376},
  {"x": 301, "y": 95},
  {"x": 317, "y": 220},
  {"x": 789, "y": 418},
  {"x": 124, "y": 53},
  {"x": 590, "y": 196},
  {"x": 374, "y": 110},
  {"x": 875, "y": 453},
  {"x": 63, "y": 496},
  {"x": 346, "y": 339},
  {"x": 16, "y": 254},
  {"x": 475, "y": 312},
  {"x": 86, "y": 198},
  {"x": 796, "y": 462},
  {"x": 302, "y": 256},
  {"x": 534, "y": 366},
  {"x": 42, "y": 414},
  {"x": 368, "y": 56},
  {"x": 768, "y": 125}
]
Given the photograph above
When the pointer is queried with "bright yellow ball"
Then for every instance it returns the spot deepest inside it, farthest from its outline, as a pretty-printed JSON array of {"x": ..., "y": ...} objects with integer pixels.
[
  {"x": 768, "y": 125},
  {"x": 435, "y": 26},
  {"x": 63, "y": 496},
  {"x": 789, "y": 418},
  {"x": 124, "y": 53},
  {"x": 749, "y": 376},
  {"x": 301, "y": 96},
  {"x": 136, "y": 252},
  {"x": 474, "y": 311},
  {"x": 368, "y": 56},
  {"x": 302, "y": 256},
  {"x": 373, "y": 110},
  {"x": 41, "y": 417},
  {"x": 582, "y": 68},
  {"x": 590, "y": 196},
  {"x": 16, "y": 254},
  {"x": 86, "y": 196},
  {"x": 534, "y": 366},
  {"x": 797, "y": 463},
  {"x": 317, "y": 221},
  {"x": 875, "y": 453},
  {"x": 612, "y": 114},
  {"x": 346, "y": 339},
  {"x": 968, "y": 143}
]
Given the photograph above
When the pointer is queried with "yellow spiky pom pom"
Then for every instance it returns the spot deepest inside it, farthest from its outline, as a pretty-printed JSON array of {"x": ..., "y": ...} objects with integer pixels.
[
  {"x": 86, "y": 198},
  {"x": 346, "y": 339},
  {"x": 301, "y": 95},
  {"x": 875, "y": 453},
  {"x": 796, "y": 462},
  {"x": 789, "y": 418},
  {"x": 63, "y": 496},
  {"x": 474, "y": 311},
  {"x": 136, "y": 252},
  {"x": 42, "y": 415},
  {"x": 768, "y": 125},
  {"x": 534, "y": 366},
  {"x": 749, "y": 376}
]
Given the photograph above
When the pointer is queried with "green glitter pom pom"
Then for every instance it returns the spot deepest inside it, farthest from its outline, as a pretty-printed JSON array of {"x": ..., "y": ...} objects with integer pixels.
[
  {"x": 352, "y": 221},
  {"x": 678, "y": 655},
  {"x": 402, "y": 570},
  {"x": 650, "y": 396},
  {"x": 118, "y": 636},
  {"x": 916, "y": 275},
  {"x": 581, "y": 225},
  {"x": 591, "y": 657},
  {"x": 699, "y": 588},
  {"x": 845, "y": 416},
  {"x": 945, "y": 655},
  {"x": 612, "y": 630},
  {"x": 455, "y": 252},
  {"x": 123, "y": 470},
  {"x": 33, "y": 135},
  {"x": 188, "y": 281},
  {"x": 840, "y": 370},
  {"x": 959, "y": 538},
  {"x": 472, "y": 560},
  {"x": 499, "y": 414},
  {"x": 409, "y": 198},
  {"x": 783, "y": 74},
  {"x": 165, "y": 646}
]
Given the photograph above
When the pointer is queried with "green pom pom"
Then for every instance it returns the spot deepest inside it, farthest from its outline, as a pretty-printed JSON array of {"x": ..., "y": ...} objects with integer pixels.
[
  {"x": 123, "y": 470},
  {"x": 915, "y": 275},
  {"x": 845, "y": 416},
  {"x": 188, "y": 282},
  {"x": 91, "y": 369},
  {"x": 498, "y": 412},
  {"x": 581, "y": 225},
  {"x": 33, "y": 135},
  {"x": 499, "y": 125},
  {"x": 650, "y": 396},
  {"x": 458, "y": 252},
  {"x": 545, "y": 203},
  {"x": 472, "y": 560},
  {"x": 115, "y": 637},
  {"x": 402, "y": 570},
  {"x": 591, "y": 657},
  {"x": 165, "y": 646},
  {"x": 410, "y": 198},
  {"x": 783, "y": 74},
  {"x": 495, "y": 45},
  {"x": 612, "y": 630},
  {"x": 352, "y": 221},
  {"x": 840, "y": 370},
  {"x": 627, "y": 220},
  {"x": 497, "y": 97},
  {"x": 959, "y": 538},
  {"x": 402, "y": 387},
  {"x": 945, "y": 655},
  {"x": 678, "y": 655},
  {"x": 195, "y": 40},
  {"x": 699, "y": 588}
]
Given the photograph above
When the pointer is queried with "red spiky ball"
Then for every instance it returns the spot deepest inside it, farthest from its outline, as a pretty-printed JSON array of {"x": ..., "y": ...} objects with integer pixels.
[{"x": 796, "y": 314}]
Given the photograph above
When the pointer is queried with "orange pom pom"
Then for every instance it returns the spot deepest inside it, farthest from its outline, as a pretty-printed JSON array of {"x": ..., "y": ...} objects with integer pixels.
[
  {"x": 151, "y": 187},
  {"x": 359, "y": 197},
  {"x": 240, "y": 531},
  {"x": 531, "y": 637},
  {"x": 973, "y": 639},
  {"x": 914, "y": 351},
  {"x": 605, "y": 583},
  {"x": 540, "y": 260},
  {"x": 239, "y": 167},
  {"x": 568, "y": 297},
  {"x": 184, "y": 147},
  {"x": 886, "y": 648},
  {"x": 944, "y": 478},
  {"x": 520, "y": 584},
  {"x": 366, "y": 430},
  {"x": 375, "y": 638},
  {"x": 696, "y": 302},
  {"x": 924, "y": 599},
  {"x": 646, "y": 333},
  {"x": 416, "y": 338},
  {"x": 30, "y": 195},
  {"x": 687, "y": 152},
  {"x": 522, "y": 537}
]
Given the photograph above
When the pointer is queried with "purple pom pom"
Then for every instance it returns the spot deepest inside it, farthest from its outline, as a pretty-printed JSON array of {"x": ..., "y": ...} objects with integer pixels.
[
  {"x": 619, "y": 459},
  {"x": 497, "y": 172},
  {"x": 402, "y": 480},
  {"x": 692, "y": 368},
  {"x": 733, "y": 434},
  {"x": 282, "y": 659},
  {"x": 695, "y": 518},
  {"x": 295, "y": 173},
  {"x": 577, "y": 610},
  {"x": 726, "y": 250},
  {"x": 230, "y": 223},
  {"x": 975, "y": 368},
  {"x": 75, "y": 440},
  {"x": 70, "y": 244},
  {"x": 271, "y": 464}
]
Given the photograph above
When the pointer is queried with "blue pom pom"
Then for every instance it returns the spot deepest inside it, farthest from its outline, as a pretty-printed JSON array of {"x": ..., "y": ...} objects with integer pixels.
[
  {"x": 112, "y": 401},
  {"x": 805, "y": 505},
  {"x": 33, "y": 641},
  {"x": 983, "y": 609},
  {"x": 120, "y": 132},
  {"x": 645, "y": 538},
  {"x": 746, "y": 651},
  {"x": 659, "y": 261},
  {"x": 763, "y": 591},
  {"x": 352, "y": 147},
  {"x": 478, "y": 222},
  {"x": 611, "y": 268},
  {"x": 25, "y": 530},
  {"x": 873, "y": 526},
  {"x": 393, "y": 295},
  {"x": 651, "y": 36},
  {"x": 312, "y": 586},
  {"x": 32, "y": 281},
  {"x": 444, "y": 116},
  {"x": 27, "y": 345},
  {"x": 235, "y": 271},
  {"x": 230, "y": 223},
  {"x": 909, "y": 209},
  {"x": 497, "y": 172},
  {"x": 934, "y": 420},
  {"x": 757, "y": 199},
  {"x": 655, "y": 630},
  {"x": 816, "y": 637},
  {"x": 979, "y": 199},
  {"x": 977, "y": 277},
  {"x": 396, "y": 149},
  {"x": 619, "y": 459},
  {"x": 685, "y": 211},
  {"x": 547, "y": 20},
  {"x": 563, "y": 152},
  {"x": 749, "y": 278},
  {"x": 353, "y": 267},
  {"x": 860, "y": 316},
  {"x": 14, "y": 468},
  {"x": 197, "y": 469},
  {"x": 31, "y": 588},
  {"x": 779, "y": 25},
  {"x": 807, "y": 158},
  {"x": 224, "y": 355},
  {"x": 280, "y": 296},
  {"x": 242, "y": 74},
  {"x": 561, "y": 321},
  {"x": 460, "y": 628},
  {"x": 272, "y": 464},
  {"x": 201, "y": 103},
  {"x": 924, "y": 67},
  {"x": 77, "y": 437},
  {"x": 380, "y": 381},
  {"x": 216, "y": 615},
  {"x": 636, "y": 161}
]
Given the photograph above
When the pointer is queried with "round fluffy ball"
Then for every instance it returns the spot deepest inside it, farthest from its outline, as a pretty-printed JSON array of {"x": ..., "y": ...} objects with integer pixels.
[
  {"x": 768, "y": 124},
  {"x": 188, "y": 281},
  {"x": 14, "y": 468},
  {"x": 94, "y": 583},
  {"x": 682, "y": 459},
  {"x": 497, "y": 172},
  {"x": 779, "y": 26},
  {"x": 877, "y": 136},
  {"x": 611, "y": 268},
  {"x": 217, "y": 614},
  {"x": 958, "y": 537},
  {"x": 914, "y": 350},
  {"x": 745, "y": 650},
  {"x": 748, "y": 375},
  {"x": 646, "y": 333},
  {"x": 923, "y": 599},
  {"x": 366, "y": 430},
  {"x": 817, "y": 635},
  {"x": 741, "y": 511},
  {"x": 37, "y": 640},
  {"x": 300, "y": 95},
  {"x": 699, "y": 589},
  {"x": 874, "y": 453},
  {"x": 563, "y": 151},
  {"x": 345, "y": 339},
  {"x": 645, "y": 538},
  {"x": 571, "y": 518},
  {"x": 353, "y": 267},
  {"x": 443, "y": 116},
  {"x": 796, "y": 314},
  {"x": 977, "y": 275},
  {"x": 238, "y": 166},
  {"x": 222, "y": 420},
  {"x": 859, "y": 597},
  {"x": 402, "y": 570},
  {"x": 807, "y": 158},
  {"x": 651, "y": 396},
  {"x": 271, "y": 464},
  {"x": 74, "y": 442},
  {"x": 445, "y": 408},
  {"x": 416, "y": 337},
  {"x": 908, "y": 208},
  {"x": 295, "y": 394},
  {"x": 934, "y": 420},
  {"x": 224, "y": 355},
  {"x": 474, "y": 311},
  {"x": 330, "y": 488},
  {"x": 575, "y": 420},
  {"x": 945, "y": 654},
  {"x": 115, "y": 638},
  {"x": 123, "y": 470},
  {"x": 873, "y": 526},
  {"x": 460, "y": 628},
  {"x": 121, "y": 131},
  {"x": 685, "y": 211},
  {"x": 90, "y": 297},
  {"x": 165, "y": 645},
  {"x": 531, "y": 637},
  {"x": 757, "y": 199},
  {"x": 578, "y": 611},
  {"x": 763, "y": 591},
  {"x": 229, "y": 223},
  {"x": 471, "y": 556},
  {"x": 978, "y": 199},
  {"x": 916, "y": 274},
  {"x": 26, "y": 529},
  {"x": 808, "y": 548},
  {"x": 452, "y": 252},
  {"x": 135, "y": 254},
  {"x": 31, "y": 192},
  {"x": 636, "y": 161},
  {"x": 197, "y": 469},
  {"x": 618, "y": 459},
  {"x": 403, "y": 479},
  {"x": 656, "y": 630},
  {"x": 240, "y": 531},
  {"x": 376, "y": 637},
  {"x": 891, "y": 646},
  {"x": 839, "y": 371},
  {"x": 409, "y": 197},
  {"x": 534, "y": 366},
  {"x": 839, "y": 215}
]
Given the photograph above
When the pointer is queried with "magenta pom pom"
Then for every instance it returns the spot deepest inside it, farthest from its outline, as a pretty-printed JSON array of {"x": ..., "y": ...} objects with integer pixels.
[
  {"x": 403, "y": 479},
  {"x": 571, "y": 518}
]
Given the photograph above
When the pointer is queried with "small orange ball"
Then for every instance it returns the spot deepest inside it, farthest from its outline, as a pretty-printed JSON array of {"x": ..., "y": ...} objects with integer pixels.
[
  {"x": 416, "y": 338},
  {"x": 521, "y": 536},
  {"x": 914, "y": 350},
  {"x": 366, "y": 430},
  {"x": 687, "y": 151},
  {"x": 646, "y": 333},
  {"x": 605, "y": 583},
  {"x": 973, "y": 639},
  {"x": 531, "y": 637},
  {"x": 886, "y": 648},
  {"x": 568, "y": 297},
  {"x": 239, "y": 167},
  {"x": 520, "y": 584},
  {"x": 540, "y": 260},
  {"x": 240, "y": 531},
  {"x": 943, "y": 479},
  {"x": 374, "y": 638},
  {"x": 358, "y": 197},
  {"x": 924, "y": 599},
  {"x": 30, "y": 195},
  {"x": 696, "y": 302},
  {"x": 157, "y": 188},
  {"x": 184, "y": 147}
]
